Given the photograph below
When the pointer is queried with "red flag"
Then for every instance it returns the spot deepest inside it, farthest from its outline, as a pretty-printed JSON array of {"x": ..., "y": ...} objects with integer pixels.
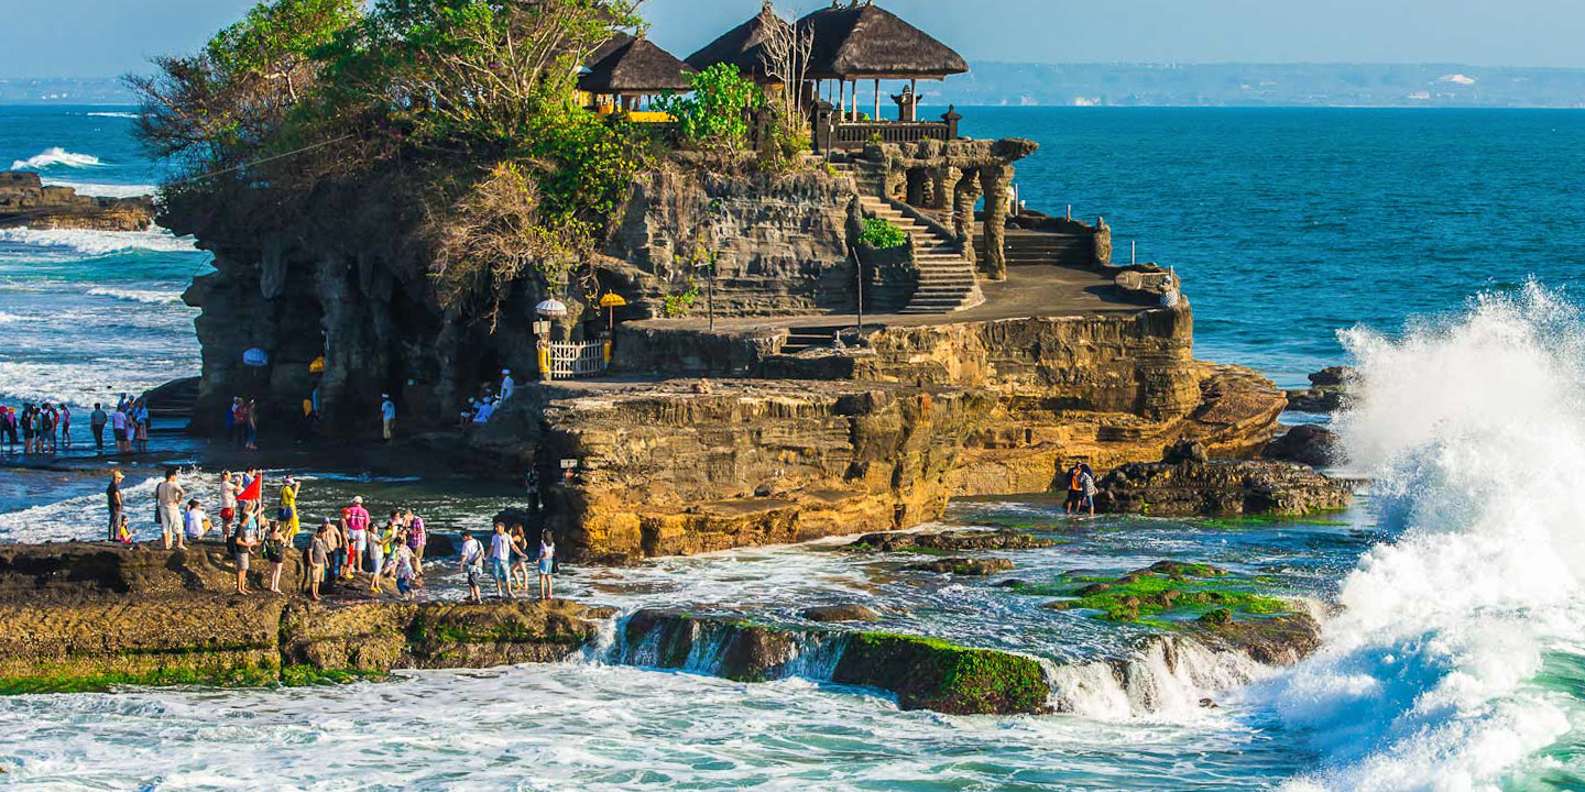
[{"x": 254, "y": 490}]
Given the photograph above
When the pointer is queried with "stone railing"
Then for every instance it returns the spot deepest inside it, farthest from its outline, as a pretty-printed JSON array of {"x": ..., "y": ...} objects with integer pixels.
[{"x": 831, "y": 133}]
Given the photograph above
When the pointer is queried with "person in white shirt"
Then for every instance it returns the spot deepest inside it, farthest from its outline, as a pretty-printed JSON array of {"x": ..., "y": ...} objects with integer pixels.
[
  {"x": 507, "y": 385},
  {"x": 473, "y": 565},
  {"x": 193, "y": 521},
  {"x": 387, "y": 416},
  {"x": 501, "y": 561}
]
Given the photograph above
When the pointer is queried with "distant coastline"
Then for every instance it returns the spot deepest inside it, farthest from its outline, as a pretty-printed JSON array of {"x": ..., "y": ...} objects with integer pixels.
[{"x": 993, "y": 83}]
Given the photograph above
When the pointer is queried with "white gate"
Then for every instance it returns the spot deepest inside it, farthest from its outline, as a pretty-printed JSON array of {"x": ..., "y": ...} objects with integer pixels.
[{"x": 570, "y": 359}]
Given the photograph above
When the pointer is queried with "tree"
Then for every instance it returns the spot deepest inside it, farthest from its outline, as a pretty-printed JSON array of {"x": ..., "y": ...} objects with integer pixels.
[
  {"x": 233, "y": 97},
  {"x": 716, "y": 113}
]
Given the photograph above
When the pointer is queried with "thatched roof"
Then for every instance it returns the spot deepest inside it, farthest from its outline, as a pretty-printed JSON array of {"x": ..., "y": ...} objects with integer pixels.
[
  {"x": 636, "y": 67},
  {"x": 617, "y": 39},
  {"x": 869, "y": 41},
  {"x": 742, "y": 46}
]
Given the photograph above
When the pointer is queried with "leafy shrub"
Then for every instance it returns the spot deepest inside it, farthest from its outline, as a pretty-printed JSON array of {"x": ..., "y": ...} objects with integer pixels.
[
  {"x": 881, "y": 234},
  {"x": 678, "y": 305},
  {"x": 715, "y": 114}
]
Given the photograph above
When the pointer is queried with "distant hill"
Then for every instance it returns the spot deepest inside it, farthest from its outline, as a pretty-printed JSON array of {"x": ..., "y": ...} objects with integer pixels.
[
  {"x": 1303, "y": 85},
  {"x": 108, "y": 90},
  {"x": 1134, "y": 85}
]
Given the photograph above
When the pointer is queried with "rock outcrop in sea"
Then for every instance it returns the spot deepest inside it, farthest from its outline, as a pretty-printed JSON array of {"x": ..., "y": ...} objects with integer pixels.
[{"x": 26, "y": 201}]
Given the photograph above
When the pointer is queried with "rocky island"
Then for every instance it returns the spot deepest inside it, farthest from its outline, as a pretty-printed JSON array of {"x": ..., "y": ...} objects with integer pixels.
[{"x": 697, "y": 309}]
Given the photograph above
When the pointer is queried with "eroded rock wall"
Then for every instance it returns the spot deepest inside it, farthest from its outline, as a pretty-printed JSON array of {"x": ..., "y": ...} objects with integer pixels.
[{"x": 779, "y": 243}]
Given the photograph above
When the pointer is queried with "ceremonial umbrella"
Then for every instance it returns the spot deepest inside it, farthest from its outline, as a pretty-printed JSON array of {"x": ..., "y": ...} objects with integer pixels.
[{"x": 612, "y": 301}]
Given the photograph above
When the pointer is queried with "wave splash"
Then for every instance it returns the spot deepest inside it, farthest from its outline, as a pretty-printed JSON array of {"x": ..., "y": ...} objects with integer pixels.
[
  {"x": 55, "y": 155},
  {"x": 1474, "y": 432},
  {"x": 100, "y": 243}
]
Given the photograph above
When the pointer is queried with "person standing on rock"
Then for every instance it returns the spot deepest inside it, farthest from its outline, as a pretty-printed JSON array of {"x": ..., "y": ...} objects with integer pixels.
[
  {"x": 118, "y": 425},
  {"x": 507, "y": 385},
  {"x": 96, "y": 421},
  {"x": 168, "y": 496},
  {"x": 288, "y": 510},
  {"x": 228, "y": 502},
  {"x": 547, "y": 565},
  {"x": 242, "y": 543},
  {"x": 387, "y": 416},
  {"x": 141, "y": 420},
  {"x": 274, "y": 551},
  {"x": 1087, "y": 484},
  {"x": 472, "y": 565},
  {"x": 404, "y": 572},
  {"x": 66, "y": 425},
  {"x": 356, "y": 520},
  {"x": 319, "y": 553},
  {"x": 519, "y": 573},
  {"x": 1075, "y": 488},
  {"x": 501, "y": 561},
  {"x": 417, "y": 539},
  {"x": 114, "y": 502},
  {"x": 335, "y": 544}
]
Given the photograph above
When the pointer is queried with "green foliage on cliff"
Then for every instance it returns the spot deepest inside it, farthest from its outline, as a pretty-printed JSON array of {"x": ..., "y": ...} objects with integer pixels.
[
  {"x": 201, "y": 672},
  {"x": 474, "y": 98},
  {"x": 881, "y": 234},
  {"x": 716, "y": 113}
]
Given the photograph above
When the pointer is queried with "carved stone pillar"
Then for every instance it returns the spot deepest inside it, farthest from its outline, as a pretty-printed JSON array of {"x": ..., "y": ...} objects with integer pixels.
[
  {"x": 964, "y": 195},
  {"x": 943, "y": 179},
  {"x": 996, "y": 180}
]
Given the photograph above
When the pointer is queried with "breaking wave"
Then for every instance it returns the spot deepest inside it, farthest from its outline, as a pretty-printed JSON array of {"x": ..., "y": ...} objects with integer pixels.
[
  {"x": 149, "y": 296},
  {"x": 111, "y": 115},
  {"x": 99, "y": 243},
  {"x": 99, "y": 190},
  {"x": 56, "y": 155},
  {"x": 1474, "y": 431}
]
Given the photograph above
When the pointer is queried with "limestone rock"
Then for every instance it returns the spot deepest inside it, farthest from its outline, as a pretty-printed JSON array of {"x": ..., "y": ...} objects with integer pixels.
[
  {"x": 1328, "y": 391},
  {"x": 953, "y": 541},
  {"x": 25, "y": 201},
  {"x": 1305, "y": 444},
  {"x": 964, "y": 567},
  {"x": 851, "y": 612},
  {"x": 1211, "y": 489}
]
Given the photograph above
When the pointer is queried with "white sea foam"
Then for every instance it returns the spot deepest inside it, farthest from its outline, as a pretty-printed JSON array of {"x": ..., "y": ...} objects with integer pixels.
[
  {"x": 85, "y": 383},
  {"x": 1475, "y": 433},
  {"x": 99, "y": 243},
  {"x": 149, "y": 296},
  {"x": 111, "y": 115},
  {"x": 100, "y": 190},
  {"x": 1166, "y": 678},
  {"x": 56, "y": 156},
  {"x": 8, "y": 318}
]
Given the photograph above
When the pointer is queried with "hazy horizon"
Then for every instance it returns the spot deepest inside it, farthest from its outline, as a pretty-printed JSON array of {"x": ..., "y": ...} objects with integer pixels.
[{"x": 107, "y": 38}]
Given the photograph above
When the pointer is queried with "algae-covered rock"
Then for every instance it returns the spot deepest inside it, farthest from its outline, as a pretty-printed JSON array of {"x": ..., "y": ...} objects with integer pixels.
[
  {"x": 1166, "y": 594},
  {"x": 851, "y": 612},
  {"x": 461, "y": 635},
  {"x": 926, "y": 673},
  {"x": 948, "y": 542},
  {"x": 967, "y": 567}
]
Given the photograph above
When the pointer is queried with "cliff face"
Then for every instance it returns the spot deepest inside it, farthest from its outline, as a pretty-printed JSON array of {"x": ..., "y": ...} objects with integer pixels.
[
  {"x": 25, "y": 201},
  {"x": 342, "y": 273},
  {"x": 867, "y": 442},
  {"x": 779, "y": 243}
]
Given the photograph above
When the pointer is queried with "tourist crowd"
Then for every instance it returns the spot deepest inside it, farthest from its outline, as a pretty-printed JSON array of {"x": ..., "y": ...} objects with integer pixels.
[
  {"x": 340, "y": 550},
  {"x": 46, "y": 428}
]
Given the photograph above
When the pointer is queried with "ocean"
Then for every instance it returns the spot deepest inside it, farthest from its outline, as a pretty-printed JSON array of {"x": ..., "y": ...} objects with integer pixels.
[{"x": 1437, "y": 250}]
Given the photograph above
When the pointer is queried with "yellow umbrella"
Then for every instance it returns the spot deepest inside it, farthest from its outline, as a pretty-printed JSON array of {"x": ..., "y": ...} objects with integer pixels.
[
  {"x": 318, "y": 366},
  {"x": 612, "y": 301}
]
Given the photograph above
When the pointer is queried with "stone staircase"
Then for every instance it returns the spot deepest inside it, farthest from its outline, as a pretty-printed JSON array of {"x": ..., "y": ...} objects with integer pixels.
[
  {"x": 800, "y": 339},
  {"x": 946, "y": 276}
]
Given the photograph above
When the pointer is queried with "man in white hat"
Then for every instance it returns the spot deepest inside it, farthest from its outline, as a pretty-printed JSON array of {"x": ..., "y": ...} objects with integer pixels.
[
  {"x": 507, "y": 385},
  {"x": 387, "y": 415}
]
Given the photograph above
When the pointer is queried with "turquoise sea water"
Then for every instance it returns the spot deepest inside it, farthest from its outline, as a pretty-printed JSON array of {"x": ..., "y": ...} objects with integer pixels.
[
  {"x": 1455, "y": 663},
  {"x": 1290, "y": 224}
]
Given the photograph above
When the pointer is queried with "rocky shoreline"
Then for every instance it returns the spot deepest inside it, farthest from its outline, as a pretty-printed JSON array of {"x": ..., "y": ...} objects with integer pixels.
[{"x": 26, "y": 201}]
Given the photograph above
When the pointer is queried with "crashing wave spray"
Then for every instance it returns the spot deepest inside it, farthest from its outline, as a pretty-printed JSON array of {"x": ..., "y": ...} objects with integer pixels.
[
  {"x": 56, "y": 155},
  {"x": 1474, "y": 432}
]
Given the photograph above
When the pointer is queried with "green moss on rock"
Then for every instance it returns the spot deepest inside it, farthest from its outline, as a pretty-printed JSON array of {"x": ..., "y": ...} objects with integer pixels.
[
  {"x": 1166, "y": 595},
  {"x": 928, "y": 673}
]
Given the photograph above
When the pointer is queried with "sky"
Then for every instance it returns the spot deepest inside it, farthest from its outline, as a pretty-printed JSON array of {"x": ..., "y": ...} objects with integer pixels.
[{"x": 105, "y": 38}]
